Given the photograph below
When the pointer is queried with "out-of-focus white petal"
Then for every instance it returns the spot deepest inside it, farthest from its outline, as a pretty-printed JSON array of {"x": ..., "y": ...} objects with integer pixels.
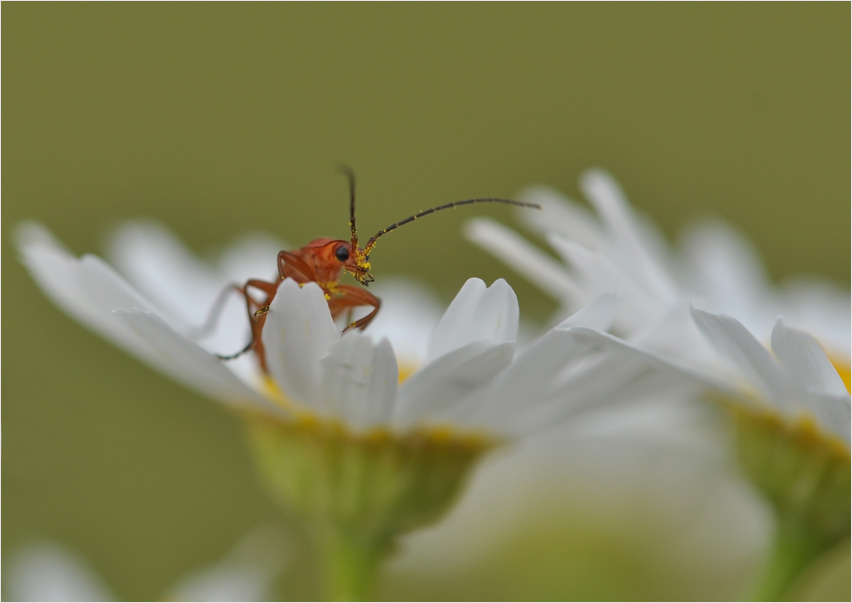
[
  {"x": 251, "y": 256},
  {"x": 184, "y": 286},
  {"x": 477, "y": 313},
  {"x": 805, "y": 360},
  {"x": 739, "y": 347},
  {"x": 722, "y": 266},
  {"x": 822, "y": 309},
  {"x": 599, "y": 275},
  {"x": 187, "y": 363},
  {"x": 46, "y": 571},
  {"x": 87, "y": 288},
  {"x": 664, "y": 363},
  {"x": 520, "y": 255},
  {"x": 597, "y": 314},
  {"x": 528, "y": 382},
  {"x": 561, "y": 215},
  {"x": 359, "y": 380},
  {"x": 834, "y": 413},
  {"x": 637, "y": 244},
  {"x": 245, "y": 574},
  {"x": 815, "y": 381},
  {"x": 159, "y": 265},
  {"x": 297, "y": 333},
  {"x": 439, "y": 389}
]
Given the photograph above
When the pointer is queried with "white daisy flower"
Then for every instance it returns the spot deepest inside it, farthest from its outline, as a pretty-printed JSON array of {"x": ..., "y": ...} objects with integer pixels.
[
  {"x": 717, "y": 270},
  {"x": 779, "y": 357},
  {"x": 48, "y": 571},
  {"x": 154, "y": 306},
  {"x": 338, "y": 438}
]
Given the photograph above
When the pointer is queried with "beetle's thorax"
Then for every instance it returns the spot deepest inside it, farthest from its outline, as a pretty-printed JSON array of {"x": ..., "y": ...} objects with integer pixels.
[{"x": 320, "y": 263}]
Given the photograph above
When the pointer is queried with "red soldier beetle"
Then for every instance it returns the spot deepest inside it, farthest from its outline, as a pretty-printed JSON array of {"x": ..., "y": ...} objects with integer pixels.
[{"x": 322, "y": 261}]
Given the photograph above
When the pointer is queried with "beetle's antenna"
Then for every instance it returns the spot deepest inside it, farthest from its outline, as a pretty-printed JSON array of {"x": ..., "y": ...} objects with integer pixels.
[
  {"x": 358, "y": 254},
  {"x": 347, "y": 171},
  {"x": 372, "y": 242}
]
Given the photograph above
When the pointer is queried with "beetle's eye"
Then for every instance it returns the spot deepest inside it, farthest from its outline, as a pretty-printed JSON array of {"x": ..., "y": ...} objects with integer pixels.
[{"x": 341, "y": 253}]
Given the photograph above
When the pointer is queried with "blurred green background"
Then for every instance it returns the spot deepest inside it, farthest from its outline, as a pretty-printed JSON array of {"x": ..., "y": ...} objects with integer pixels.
[{"x": 218, "y": 119}]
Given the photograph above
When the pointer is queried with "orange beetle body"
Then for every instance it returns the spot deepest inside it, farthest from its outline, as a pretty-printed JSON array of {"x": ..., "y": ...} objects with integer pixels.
[{"x": 321, "y": 261}]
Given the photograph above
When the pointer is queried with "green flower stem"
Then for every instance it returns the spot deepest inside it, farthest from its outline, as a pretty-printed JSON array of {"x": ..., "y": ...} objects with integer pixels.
[
  {"x": 350, "y": 563},
  {"x": 358, "y": 493},
  {"x": 794, "y": 550}
]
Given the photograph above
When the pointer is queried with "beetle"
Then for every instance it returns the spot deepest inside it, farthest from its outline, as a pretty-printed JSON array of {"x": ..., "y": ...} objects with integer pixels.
[{"x": 322, "y": 261}]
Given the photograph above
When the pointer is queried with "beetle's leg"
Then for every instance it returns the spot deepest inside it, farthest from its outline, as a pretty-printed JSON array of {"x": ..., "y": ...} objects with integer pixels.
[
  {"x": 215, "y": 311},
  {"x": 257, "y": 317},
  {"x": 249, "y": 345},
  {"x": 348, "y": 297}
]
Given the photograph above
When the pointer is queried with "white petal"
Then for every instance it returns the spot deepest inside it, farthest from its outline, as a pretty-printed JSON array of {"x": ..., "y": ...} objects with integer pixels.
[
  {"x": 252, "y": 256},
  {"x": 739, "y": 348},
  {"x": 821, "y": 308},
  {"x": 664, "y": 363},
  {"x": 48, "y": 572},
  {"x": 359, "y": 381},
  {"x": 438, "y": 391},
  {"x": 603, "y": 372},
  {"x": 297, "y": 333},
  {"x": 675, "y": 335},
  {"x": 561, "y": 215},
  {"x": 476, "y": 314},
  {"x": 834, "y": 413},
  {"x": 640, "y": 248},
  {"x": 90, "y": 291},
  {"x": 529, "y": 382},
  {"x": 815, "y": 384},
  {"x": 805, "y": 360},
  {"x": 162, "y": 268},
  {"x": 522, "y": 256},
  {"x": 408, "y": 315},
  {"x": 187, "y": 363},
  {"x": 724, "y": 268},
  {"x": 186, "y": 288},
  {"x": 87, "y": 289},
  {"x": 599, "y": 275},
  {"x": 597, "y": 314}
]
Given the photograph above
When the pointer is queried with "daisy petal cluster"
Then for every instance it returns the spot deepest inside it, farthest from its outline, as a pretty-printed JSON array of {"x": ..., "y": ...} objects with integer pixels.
[
  {"x": 717, "y": 270},
  {"x": 339, "y": 438},
  {"x": 155, "y": 306},
  {"x": 778, "y": 357}
]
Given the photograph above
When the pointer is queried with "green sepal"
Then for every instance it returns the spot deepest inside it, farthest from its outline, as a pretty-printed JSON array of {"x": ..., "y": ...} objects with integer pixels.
[{"x": 805, "y": 474}]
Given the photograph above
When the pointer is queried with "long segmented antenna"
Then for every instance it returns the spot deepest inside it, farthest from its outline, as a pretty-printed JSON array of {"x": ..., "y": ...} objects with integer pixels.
[
  {"x": 372, "y": 242},
  {"x": 347, "y": 171}
]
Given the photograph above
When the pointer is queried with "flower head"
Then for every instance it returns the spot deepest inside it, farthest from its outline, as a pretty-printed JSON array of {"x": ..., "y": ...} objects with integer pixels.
[
  {"x": 778, "y": 358},
  {"x": 717, "y": 270},
  {"x": 339, "y": 438},
  {"x": 469, "y": 375}
]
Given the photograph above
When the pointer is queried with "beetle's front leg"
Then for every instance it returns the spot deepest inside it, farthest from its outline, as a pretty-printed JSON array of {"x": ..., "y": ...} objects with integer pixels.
[{"x": 347, "y": 297}]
